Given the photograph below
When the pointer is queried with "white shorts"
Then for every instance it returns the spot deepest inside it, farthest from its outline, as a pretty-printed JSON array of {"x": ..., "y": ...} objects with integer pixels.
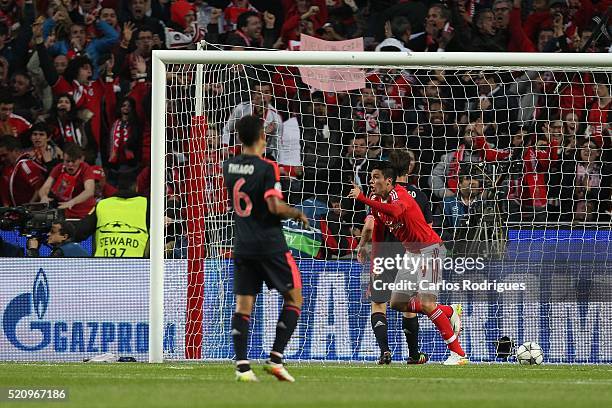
[{"x": 421, "y": 272}]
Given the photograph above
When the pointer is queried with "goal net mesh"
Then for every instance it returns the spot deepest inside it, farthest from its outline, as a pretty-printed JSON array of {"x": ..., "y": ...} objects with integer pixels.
[{"x": 515, "y": 165}]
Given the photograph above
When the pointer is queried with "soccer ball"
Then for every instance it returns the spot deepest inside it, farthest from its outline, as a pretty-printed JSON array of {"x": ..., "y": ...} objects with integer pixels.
[{"x": 530, "y": 353}]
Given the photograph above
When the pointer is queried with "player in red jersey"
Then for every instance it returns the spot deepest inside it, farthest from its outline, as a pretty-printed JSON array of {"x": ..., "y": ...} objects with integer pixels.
[{"x": 400, "y": 213}]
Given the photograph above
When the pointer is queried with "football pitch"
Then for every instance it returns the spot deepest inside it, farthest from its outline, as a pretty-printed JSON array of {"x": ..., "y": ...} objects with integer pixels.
[{"x": 335, "y": 385}]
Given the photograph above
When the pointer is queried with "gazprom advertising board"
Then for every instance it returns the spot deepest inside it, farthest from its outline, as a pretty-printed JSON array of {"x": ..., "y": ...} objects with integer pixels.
[{"x": 71, "y": 309}]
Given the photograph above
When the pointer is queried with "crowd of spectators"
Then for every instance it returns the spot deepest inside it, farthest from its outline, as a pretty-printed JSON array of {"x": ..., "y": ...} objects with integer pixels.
[{"x": 75, "y": 95}]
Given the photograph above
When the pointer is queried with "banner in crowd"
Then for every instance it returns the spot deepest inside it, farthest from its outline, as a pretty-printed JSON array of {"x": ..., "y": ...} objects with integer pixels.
[{"x": 332, "y": 79}]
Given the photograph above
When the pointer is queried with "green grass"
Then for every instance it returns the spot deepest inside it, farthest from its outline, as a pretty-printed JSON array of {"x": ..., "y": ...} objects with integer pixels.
[{"x": 212, "y": 385}]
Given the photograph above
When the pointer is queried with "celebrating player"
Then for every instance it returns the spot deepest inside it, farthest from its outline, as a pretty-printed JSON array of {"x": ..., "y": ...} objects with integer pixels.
[
  {"x": 403, "y": 163},
  {"x": 384, "y": 243},
  {"x": 260, "y": 251},
  {"x": 399, "y": 212}
]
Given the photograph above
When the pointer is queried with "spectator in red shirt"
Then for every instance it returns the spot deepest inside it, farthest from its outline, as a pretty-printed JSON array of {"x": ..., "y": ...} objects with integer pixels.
[
  {"x": 540, "y": 17},
  {"x": 71, "y": 184},
  {"x": 599, "y": 117},
  {"x": 44, "y": 150},
  {"x": 21, "y": 176},
  {"x": 68, "y": 126},
  {"x": 529, "y": 195},
  {"x": 10, "y": 123},
  {"x": 315, "y": 10},
  {"x": 76, "y": 81},
  {"x": 182, "y": 31},
  {"x": 234, "y": 10},
  {"x": 121, "y": 145},
  {"x": 336, "y": 229},
  {"x": 103, "y": 188},
  {"x": 9, "y": 12}
]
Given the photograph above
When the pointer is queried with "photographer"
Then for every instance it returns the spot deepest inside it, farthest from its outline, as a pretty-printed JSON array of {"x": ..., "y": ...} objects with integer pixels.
[
  {"x": 59, "y": 239},
  {"x": 529, "y": 159},
  {"x": 458, "y": 209}
]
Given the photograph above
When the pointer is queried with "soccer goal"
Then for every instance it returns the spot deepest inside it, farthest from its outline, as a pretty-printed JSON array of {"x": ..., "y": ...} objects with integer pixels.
[{"x": 511, "y": 150}]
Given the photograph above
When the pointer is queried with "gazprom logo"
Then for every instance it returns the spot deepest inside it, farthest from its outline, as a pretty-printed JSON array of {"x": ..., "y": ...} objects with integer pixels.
[
  {"x": 40, "y": 293},
  {"x": 21, "y": 307}
]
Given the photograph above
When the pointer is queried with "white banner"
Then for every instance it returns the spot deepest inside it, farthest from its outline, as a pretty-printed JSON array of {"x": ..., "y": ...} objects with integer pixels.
[{"x": 332, "y": 79}]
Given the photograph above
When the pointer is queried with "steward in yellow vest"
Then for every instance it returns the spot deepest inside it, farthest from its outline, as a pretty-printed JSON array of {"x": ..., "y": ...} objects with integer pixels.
[
  {"x": 119, "y": 224},
  {"x": 121, "y": 227}
]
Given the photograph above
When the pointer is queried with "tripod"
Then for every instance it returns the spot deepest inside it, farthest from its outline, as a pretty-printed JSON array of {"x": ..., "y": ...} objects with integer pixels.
[{"x": 488, "y": 237}]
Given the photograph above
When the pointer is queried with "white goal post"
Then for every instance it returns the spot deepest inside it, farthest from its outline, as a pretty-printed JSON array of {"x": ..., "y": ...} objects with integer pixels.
[{"x": 472, "y": 61}]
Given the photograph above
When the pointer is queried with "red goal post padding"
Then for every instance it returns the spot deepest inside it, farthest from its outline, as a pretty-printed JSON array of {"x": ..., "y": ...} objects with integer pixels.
[{"x": 195, "y": 194}]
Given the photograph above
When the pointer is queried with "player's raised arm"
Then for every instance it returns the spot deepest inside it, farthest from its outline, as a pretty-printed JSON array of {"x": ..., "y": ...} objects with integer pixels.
[{"x": 394, "y": 209}]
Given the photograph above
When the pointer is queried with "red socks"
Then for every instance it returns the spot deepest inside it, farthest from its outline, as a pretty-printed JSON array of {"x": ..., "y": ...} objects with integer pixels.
[
  {"x": 440, "y": 320},
  {"x": 414, "y": 306},
  {"x": 447, "y": 310}
]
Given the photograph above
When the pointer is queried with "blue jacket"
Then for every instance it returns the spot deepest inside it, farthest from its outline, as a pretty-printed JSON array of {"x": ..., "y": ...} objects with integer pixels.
[
  {"x": 454, "y": 211},
  {"x": 70, "y": 250},
  {"x": 94, "y": 48}
]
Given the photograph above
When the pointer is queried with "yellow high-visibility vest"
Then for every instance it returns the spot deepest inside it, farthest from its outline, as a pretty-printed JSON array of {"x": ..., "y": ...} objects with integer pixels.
[{"x": 121, "y": 230}]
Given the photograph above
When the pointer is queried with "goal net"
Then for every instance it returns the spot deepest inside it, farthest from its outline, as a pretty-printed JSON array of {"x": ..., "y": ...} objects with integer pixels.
[{"x": 512, "y": 152}]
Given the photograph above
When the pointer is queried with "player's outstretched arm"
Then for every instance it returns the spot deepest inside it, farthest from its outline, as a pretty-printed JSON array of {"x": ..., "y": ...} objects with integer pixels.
[
  {"x": 283, "y": 210},
  {"x": 394, "y": 209}
]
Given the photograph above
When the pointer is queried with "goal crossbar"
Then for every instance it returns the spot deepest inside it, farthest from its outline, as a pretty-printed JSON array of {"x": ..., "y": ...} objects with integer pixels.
[{"x": 594, "y": 62}]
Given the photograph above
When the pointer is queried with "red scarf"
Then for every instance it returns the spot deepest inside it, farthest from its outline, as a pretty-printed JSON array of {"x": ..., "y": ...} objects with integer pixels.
[
  {"x": 73, "y": 53},
  {"x": 64, "y": 186},
  {"x": 119, "y": 152},
  {"x": 69, "y": 133},
  {"x": 246, "y": 38},
  {"x": 453, "y": 172}
]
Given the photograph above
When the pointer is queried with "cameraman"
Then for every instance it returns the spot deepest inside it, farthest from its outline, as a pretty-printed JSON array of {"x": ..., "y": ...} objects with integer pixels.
[
  {"x": 457, "y": 209},
  {"x": 59, "y": 239}
]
